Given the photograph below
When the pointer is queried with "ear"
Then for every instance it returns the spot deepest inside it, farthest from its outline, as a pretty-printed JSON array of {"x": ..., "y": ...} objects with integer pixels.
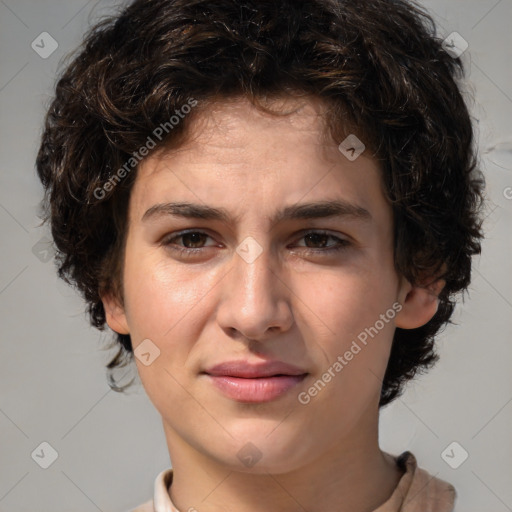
[
  {"x": 115, "y": 313},
  {"x": 419, "y": 303}
]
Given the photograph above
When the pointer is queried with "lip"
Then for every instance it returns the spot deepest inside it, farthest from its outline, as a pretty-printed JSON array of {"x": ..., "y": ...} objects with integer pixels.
[
  {"x": 263, "y": 389},
  {"x": 254, "y": 383},
  {"x": 246, "y": 370}
]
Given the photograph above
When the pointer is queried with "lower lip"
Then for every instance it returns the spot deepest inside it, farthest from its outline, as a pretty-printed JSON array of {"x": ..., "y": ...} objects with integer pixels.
[{"x": 263, "y": 389}]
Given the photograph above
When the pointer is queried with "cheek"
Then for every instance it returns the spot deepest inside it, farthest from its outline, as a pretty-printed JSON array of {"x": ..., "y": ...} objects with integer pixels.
[
  {"x": 344, "y": 301},
  {"x": 162, "y": 300},
  {"x": 163, "y": 304},
  {"x": 354, "y": 318}
]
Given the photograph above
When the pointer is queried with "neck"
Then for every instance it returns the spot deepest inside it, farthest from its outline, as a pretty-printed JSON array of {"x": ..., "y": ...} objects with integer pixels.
[{"x": 352, "y": 476}]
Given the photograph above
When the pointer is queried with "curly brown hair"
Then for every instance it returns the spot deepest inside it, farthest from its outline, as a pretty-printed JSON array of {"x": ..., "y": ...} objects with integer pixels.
[{"x": 379, "y": 66}]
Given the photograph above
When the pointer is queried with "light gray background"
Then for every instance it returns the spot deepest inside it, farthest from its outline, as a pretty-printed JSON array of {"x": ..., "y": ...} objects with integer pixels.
[{"x": 110, "y": 446}]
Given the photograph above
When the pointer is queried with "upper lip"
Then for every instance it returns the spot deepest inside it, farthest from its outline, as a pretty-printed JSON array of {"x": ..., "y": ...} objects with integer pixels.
[{"x": 247, "y": 370}]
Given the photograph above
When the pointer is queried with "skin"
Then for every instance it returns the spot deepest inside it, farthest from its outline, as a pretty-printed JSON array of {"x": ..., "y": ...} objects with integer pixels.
[{"x": 290, "y": 305}]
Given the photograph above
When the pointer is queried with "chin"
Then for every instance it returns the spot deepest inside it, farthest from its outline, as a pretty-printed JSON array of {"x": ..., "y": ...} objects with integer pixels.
[{"x": 263, "y": 453}]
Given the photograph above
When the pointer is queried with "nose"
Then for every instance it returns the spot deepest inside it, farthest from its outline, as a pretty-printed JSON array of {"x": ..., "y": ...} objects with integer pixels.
[{"x": 255, "y": 299}]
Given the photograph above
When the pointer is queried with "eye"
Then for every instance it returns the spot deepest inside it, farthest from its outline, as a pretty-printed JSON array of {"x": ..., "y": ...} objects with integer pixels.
[
  {"x": 193, "y": 242},
  {"x": 320, "y": 238},
  {"x": 189, "y": 238},
  {"x": 193, "y": 238}
]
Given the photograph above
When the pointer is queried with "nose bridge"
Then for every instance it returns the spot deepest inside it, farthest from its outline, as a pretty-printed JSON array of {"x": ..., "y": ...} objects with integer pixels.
[
  {"x": 253, "y": 271},
  {"x": 253, "y": 300}
]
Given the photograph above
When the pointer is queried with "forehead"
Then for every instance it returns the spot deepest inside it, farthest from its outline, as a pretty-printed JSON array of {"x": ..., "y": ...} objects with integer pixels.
[
  {"x": 236, "y": 155},
  {"x": 223, "y": 128}
]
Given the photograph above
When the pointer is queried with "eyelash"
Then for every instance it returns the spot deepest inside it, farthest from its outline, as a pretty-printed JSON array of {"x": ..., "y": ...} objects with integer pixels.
[{"x": 342, "y": 244}]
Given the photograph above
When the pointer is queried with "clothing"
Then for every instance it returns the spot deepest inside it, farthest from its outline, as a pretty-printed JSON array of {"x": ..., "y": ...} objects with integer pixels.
[{"x": 417, "y": 491}]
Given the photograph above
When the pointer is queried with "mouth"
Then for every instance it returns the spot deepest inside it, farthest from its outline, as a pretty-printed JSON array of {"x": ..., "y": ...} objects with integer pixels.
[
  {"x": 246, "y": 369},
  {"x": 255, "y": 389},
  {"x": 249, "y": 382}
]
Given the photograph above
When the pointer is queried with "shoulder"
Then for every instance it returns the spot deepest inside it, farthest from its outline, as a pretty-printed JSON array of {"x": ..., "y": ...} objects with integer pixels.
[
  {"x": 423, "y": 491},
  {"x": 145, "y": 507},
  {"x": 161, "y": 500}
]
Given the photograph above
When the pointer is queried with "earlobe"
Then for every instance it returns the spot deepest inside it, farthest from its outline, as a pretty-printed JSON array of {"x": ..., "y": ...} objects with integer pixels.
[
  {"x": 114, "y": 313},
  {"x": 419, "y": 305}
]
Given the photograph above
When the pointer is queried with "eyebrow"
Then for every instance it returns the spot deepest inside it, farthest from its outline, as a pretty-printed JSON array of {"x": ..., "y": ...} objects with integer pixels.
[{"x": 316, "y": 210}]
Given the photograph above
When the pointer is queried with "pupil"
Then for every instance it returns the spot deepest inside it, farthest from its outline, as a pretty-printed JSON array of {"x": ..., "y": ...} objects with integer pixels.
[
  {"x": 196, "y": 236},
  {"x": 315, "y": 237}
]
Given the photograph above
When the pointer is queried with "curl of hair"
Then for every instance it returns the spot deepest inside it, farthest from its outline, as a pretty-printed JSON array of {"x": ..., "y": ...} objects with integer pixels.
[{"x": 377, "y": 64}]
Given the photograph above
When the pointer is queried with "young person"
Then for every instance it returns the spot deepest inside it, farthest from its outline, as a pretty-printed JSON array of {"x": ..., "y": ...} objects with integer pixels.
[{"x": 273, "y": 206}]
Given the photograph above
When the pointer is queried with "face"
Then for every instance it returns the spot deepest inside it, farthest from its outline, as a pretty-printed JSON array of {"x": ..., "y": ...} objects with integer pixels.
[{"x": 257, "y": 286}]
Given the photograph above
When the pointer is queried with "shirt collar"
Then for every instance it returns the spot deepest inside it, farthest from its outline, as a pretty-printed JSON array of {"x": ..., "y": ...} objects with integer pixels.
[{"x": 162, "y": 501}]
